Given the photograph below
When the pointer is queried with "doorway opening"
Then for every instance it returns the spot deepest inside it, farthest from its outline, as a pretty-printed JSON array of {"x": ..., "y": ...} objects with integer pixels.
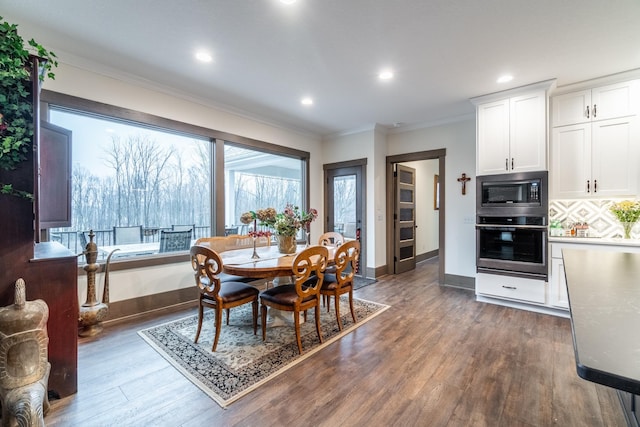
[
  {"x": 344, "y": 204},
  {"x": 395, "y": 240}
]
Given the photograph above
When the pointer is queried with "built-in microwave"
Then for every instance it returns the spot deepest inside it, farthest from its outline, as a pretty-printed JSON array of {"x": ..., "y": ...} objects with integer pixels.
[{"x": 516, "y": 190}]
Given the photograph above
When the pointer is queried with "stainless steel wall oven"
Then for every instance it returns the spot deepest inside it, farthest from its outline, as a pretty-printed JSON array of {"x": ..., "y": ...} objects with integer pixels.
[{"x": 511, "y": 224}]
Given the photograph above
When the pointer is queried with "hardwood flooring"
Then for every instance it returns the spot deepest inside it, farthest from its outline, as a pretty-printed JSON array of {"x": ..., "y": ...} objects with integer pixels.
[{"x": 435, "y": 358}]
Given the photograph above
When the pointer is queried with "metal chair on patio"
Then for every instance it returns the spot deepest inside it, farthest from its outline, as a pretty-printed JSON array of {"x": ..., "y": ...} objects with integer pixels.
[
  {"x": 127, "y": 235},
  {"x": 174, "y": 241},
  {"x": 185, "y": 227}
]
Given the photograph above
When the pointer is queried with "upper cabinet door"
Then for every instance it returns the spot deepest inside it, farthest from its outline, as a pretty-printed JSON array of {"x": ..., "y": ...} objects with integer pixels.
[
  {"x": 600, "y": 103},
  {"x": 614, "y": 157},
  {"x": 595, "y": 159},
  {"x": 613, "y": 101},
  {"x": 571, "y": 108},
  {"x": 570, "y": 161},
  {"x": 511, "y": 130},
  {"x": 493, "y": 138},
  {"x": 528, "y": 131}
]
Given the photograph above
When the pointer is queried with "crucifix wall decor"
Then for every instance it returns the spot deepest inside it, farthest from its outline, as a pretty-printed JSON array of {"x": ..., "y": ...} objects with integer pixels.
[{"x": 463, "y": 179}]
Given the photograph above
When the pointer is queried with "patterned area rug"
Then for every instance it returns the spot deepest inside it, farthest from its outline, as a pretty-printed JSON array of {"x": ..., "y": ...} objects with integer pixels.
[{"x": 243, "y": 361}]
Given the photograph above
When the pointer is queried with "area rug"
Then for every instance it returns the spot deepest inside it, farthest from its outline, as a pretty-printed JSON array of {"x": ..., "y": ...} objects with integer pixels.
[{"x": 242, "y": 361}]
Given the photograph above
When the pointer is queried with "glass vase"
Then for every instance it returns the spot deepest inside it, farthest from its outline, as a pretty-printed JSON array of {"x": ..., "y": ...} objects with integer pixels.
[
  {"x": 255, "y": 253},
  {"x": 627, "y": 227}
]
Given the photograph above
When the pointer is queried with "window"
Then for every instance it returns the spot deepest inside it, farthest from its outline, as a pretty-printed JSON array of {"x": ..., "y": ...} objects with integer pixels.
[
  {"x": 125, "y": 174},
  {"x": 256, "y": 179},
  {"x": 132, "y": 169}
]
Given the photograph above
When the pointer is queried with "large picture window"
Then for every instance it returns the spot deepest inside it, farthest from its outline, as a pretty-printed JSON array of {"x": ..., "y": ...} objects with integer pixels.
[{"x": 128, "y": 175}]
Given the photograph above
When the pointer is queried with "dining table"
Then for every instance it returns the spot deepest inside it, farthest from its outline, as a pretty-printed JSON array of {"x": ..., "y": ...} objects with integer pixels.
[{"x": 270, "y": 264}]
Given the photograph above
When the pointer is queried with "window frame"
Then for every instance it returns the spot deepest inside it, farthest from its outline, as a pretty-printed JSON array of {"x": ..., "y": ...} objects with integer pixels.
[{"x": 217, "y": 139}]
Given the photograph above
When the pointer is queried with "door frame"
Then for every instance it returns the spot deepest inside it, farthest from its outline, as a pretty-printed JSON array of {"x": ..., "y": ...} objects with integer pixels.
[
  {"x": 440, "y": 155},
  {"x": 362, "y": 164}
]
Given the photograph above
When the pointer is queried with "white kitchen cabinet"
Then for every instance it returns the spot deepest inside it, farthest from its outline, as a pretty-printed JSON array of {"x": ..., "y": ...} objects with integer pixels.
[
  {"x": 599, "y": 103},
  {"x": 512, "y": 134},
  {"x": 558, "y": 296},
  {"x": 509, "y": 287},
  {"x": 597, "y": 159}
]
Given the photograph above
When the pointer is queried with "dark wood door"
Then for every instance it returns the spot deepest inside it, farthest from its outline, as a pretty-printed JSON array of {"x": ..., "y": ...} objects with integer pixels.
[{"x": 405, "y": 219}]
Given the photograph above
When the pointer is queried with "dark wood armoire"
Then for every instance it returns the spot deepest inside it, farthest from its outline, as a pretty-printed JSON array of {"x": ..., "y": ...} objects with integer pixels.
[{"x": 48, "y": 268}]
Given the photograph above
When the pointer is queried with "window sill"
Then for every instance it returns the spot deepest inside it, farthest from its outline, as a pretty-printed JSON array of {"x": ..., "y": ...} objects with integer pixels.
[{"x": 141, "y": 262}]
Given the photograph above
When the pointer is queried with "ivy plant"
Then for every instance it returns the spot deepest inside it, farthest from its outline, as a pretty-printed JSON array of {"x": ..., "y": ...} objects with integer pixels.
[{"x": 16, "y": 99}]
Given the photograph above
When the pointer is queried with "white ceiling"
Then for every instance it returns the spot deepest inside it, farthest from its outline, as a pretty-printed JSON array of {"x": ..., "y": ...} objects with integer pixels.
[{"x": 268, "y": 55}]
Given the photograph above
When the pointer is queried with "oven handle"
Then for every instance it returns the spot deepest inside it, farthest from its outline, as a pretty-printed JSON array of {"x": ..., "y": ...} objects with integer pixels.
[{"x": 521, "y": 227}]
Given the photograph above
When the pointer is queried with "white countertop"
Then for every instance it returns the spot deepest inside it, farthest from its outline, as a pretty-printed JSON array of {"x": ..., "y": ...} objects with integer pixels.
[{"x": 617, "y": 241}]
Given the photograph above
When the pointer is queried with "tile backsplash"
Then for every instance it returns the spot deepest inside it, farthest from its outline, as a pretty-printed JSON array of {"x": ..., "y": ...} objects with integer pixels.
[{"x": 602, "y": 223}]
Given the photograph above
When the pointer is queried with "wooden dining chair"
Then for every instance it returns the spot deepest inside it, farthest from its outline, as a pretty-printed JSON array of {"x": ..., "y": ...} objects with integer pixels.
[
  {"x": 308, "y": 271},
  {"x": 218, "y": 295},
  {"x": 341, "y": 282},
  {"x": 330, "y": 238}
]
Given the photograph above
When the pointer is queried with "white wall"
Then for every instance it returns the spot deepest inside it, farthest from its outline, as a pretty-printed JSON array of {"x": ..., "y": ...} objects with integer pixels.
[
  {"x": 356, "y": 146},
  {"x": 459, "y": 141},
  {"x": 369, "y": 144},
  {"x": 375, "y": 145}
]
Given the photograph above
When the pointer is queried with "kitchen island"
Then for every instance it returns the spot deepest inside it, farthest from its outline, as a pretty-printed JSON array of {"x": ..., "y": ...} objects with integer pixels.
[{"x": 604, "y": 302}]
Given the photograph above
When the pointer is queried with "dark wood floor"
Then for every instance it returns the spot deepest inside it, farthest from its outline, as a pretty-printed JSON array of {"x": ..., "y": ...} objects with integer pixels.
[{"x": 435, "y": 358}]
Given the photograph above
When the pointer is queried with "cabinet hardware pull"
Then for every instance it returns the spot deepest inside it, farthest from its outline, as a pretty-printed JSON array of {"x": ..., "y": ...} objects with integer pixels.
[
  {"x": 509, "y": 287},
  {"x": 587, "y": 111},
  {"x": 588, "y": 188},
  {"x": 512, "y": 163},
  {"x": 594, "y": 111},
  {"x": 595, "y": 181},
  {"x": 506, "y": 164}
]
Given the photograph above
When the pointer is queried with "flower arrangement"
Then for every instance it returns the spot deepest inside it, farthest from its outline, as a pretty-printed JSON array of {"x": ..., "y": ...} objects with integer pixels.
[
  {"x": 285, "y": 223},
  {"x": 628, "y": 213},
  {"x": 263, "y": 215}
]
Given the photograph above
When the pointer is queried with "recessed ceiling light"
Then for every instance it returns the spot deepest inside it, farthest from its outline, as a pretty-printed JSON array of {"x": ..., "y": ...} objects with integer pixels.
[
  {"x": 385, "y": 75},
  {"x": 204, "y": 56},
  {"x": 504, "y": 79},
  {"x": 306, "y": 101},
  {"x": 287, "y": 1}
]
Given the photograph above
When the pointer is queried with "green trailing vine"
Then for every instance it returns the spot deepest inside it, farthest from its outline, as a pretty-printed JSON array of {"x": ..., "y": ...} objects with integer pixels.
[{"x": 16, "y": 99}]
